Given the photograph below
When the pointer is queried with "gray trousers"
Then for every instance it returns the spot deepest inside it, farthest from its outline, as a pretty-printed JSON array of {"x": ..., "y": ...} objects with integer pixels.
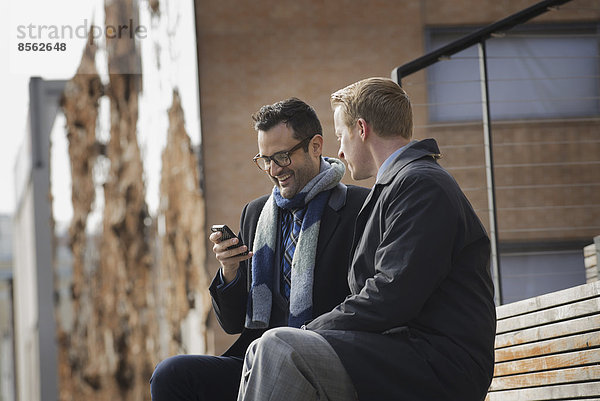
[{"x": 294, "y": 365}]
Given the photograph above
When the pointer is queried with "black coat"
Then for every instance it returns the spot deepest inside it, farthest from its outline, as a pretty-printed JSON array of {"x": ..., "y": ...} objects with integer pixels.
[
  {"x": 420, "y": 323},
  {"x": 332, "y": 260}
]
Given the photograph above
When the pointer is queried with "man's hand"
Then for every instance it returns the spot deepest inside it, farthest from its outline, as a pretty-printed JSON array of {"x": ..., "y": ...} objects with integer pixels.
[{"x": 228, "y": 258}]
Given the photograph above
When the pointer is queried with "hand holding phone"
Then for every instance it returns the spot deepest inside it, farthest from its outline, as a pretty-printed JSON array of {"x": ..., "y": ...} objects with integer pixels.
[
  {"x": 226, "y": 234},
  {"x": 229, "y": 264}
]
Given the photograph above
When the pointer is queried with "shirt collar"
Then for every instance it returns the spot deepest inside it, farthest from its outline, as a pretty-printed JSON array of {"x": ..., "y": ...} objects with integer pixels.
[{"x": 389, "y": 161}]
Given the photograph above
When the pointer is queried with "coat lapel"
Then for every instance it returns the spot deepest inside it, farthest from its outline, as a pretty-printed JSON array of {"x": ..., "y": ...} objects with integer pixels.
[
  {"x": 414, "y": 151},
  {"x": 329, "y": 223},
  {"x": 331, "y": 218},
  {"x": 364, "y": 215}
]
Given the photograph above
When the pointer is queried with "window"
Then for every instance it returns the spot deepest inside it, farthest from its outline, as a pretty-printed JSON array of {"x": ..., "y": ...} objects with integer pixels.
[
  {"x": 534, "y": 72},
  {"x": 529, "y": 274}
]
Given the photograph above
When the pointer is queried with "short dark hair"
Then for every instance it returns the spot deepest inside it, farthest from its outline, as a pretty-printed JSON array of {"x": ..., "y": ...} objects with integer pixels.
[{"x": 296, "y": 114}]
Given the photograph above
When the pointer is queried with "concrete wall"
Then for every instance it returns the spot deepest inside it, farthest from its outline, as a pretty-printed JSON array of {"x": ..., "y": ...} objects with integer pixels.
[{"x": 7, "y": 366}]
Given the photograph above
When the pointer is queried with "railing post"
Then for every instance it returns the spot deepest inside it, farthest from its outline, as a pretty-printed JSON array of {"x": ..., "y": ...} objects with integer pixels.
[{"x": 489, "y": 173}]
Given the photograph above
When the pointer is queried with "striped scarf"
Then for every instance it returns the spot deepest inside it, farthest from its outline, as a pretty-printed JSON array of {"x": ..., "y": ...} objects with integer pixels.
[{"x": 260, "y": 297}]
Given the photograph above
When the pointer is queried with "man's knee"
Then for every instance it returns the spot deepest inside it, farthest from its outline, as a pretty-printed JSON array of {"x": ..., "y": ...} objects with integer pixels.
[
  {"x": 163, "y": 379},
  {"x": 281, "y": 341},
  {"x": 282, "y": 335},
  {"x": 185, "y": 377},
  {"x": 166, "y": 371}
]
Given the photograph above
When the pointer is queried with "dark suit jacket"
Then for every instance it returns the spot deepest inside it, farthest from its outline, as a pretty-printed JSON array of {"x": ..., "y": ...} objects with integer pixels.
[
  {"x": 330, "y": 285},
  {"x": 420, "y": 323}
]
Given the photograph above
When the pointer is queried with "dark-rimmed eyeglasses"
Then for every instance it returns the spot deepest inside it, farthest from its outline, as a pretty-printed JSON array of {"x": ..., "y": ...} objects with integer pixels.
[{"x": 282, "y": 159}]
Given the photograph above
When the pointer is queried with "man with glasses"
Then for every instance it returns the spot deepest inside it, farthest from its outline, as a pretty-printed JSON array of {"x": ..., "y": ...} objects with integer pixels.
[{"x": 299, "y": 237}]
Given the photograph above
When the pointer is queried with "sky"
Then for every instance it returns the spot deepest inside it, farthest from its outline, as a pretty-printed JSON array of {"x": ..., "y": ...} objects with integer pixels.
[
  {"x": 15, "y": 75},
  {"x": 13, "y": 112},
  {"x": 23, "y": 21}
]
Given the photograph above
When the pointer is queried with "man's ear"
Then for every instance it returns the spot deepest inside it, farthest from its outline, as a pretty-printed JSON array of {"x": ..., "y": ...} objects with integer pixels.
[
  {"x": 316, "y": 145},
  {"x": 364, "y": 129}
]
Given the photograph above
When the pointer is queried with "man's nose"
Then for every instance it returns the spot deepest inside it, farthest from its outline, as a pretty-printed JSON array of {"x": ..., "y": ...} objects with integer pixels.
[
  {"x": 341, "y": 153},
  {"x": 274, "y": 169}
]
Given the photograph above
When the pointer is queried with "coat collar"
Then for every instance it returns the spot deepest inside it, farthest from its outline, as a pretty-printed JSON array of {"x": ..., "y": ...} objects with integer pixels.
[
  {"x": 331, "y": 218},
  {"x": 337, "y": 200},
  {"x": 414, "y": 151}
]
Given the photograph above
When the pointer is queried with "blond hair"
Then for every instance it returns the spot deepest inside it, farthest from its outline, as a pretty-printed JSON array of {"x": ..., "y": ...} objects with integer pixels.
[{"x": 381, "y": 102}]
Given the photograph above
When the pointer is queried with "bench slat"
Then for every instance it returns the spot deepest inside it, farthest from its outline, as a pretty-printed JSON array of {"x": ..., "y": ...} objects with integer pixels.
[
  {"x": 554, "y": 330},
  {"x": 547, "y": 393},
  {"x": 564, "y": 312},
  {"x": 548, "y": 300},
  {"x": 558, "y": 361},
  {"x": 553, "y": 346},
  {"x": 548, "y": 347},
  {"x": 551, "y": 377}
]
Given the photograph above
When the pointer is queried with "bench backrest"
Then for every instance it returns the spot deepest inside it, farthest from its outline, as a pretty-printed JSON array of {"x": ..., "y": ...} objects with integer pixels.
[{"x": 548, "y": 347}]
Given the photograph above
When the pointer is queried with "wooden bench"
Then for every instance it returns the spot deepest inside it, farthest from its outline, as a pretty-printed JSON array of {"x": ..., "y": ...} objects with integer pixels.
[{"x": 548, "y": 347}]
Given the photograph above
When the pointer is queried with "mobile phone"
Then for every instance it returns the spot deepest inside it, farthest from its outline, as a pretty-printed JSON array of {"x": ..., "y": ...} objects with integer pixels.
[{"x": 226, "y": 234}]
